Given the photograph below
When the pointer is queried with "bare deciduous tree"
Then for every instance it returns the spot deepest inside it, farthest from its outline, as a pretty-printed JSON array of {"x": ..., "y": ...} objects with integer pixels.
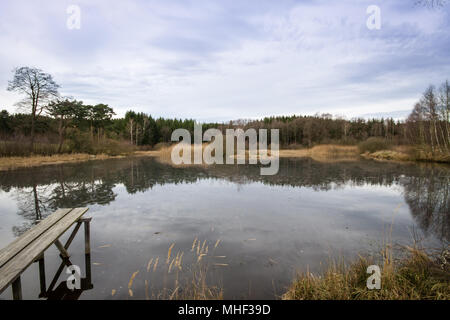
[
  {"x": 38, "y": 88},
  {"x": 444, "y": 108},
  {"x": 429, "y": 122}
]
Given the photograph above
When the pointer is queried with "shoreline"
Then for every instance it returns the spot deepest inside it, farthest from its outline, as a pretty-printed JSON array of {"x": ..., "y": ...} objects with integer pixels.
[
  {"x": 14, "y": 163},
  {"x": 322, "y": 153}
]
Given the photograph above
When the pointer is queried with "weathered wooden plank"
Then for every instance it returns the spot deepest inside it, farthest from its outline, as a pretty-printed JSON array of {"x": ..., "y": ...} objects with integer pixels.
[
  {"x": 24, "y": 240},
  {"x": 14, "y": 267}
]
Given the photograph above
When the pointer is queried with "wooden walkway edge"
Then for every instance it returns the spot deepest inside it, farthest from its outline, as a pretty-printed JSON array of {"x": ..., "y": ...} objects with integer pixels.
[{"x": 30, "y": 247}]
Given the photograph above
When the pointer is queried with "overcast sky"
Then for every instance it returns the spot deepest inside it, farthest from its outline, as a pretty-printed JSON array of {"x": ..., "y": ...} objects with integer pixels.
[{"x": 221, "y": 60}]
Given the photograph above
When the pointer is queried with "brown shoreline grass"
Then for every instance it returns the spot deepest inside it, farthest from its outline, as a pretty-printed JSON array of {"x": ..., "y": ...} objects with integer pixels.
[
  {"x": 325, "y": 152},
  {"x": 407, "y": 154},
  {"x": 321, "y": 153},
  {"x": 417, "y": 276},
  {"x": 9, "y": 163}
]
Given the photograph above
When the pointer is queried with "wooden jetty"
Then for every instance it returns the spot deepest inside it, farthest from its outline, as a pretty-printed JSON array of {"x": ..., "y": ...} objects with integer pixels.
[{"x": 30, "y": 247}]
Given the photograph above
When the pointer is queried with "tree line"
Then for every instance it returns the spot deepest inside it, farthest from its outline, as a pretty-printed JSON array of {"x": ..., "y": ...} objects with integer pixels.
[
  {"x": 429, "y": 122},
  {"x": 69, "y": 125}
]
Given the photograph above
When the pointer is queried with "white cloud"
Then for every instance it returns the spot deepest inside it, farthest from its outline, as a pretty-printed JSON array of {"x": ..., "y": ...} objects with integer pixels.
[{"x": 213, "y": 60}]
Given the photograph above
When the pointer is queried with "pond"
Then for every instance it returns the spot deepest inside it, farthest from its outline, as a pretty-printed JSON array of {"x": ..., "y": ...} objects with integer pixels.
[{"x": 250, "y": 233}]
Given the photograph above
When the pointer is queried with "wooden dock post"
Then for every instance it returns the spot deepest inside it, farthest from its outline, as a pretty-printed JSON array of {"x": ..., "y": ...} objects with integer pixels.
[
  {"x": 42, "y": 274},
  {"x": 17, "y": 289},
  {"x": 87, "y": 235},
  {"x": 87, "y": 249}
]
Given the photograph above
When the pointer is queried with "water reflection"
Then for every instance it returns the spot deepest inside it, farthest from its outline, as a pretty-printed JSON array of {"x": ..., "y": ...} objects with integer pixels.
[
  {"x": 269, "y": 226},
  {"x": 41, "y": 191},
  {"x": 428, "y": 198}
]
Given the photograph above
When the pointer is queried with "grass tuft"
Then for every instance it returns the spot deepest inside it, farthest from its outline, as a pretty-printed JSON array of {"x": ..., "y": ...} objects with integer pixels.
[{"x": 418, "y": 275}]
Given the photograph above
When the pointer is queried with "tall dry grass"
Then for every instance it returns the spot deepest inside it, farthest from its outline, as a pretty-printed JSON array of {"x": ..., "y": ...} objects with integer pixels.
[
  {"x": 418, "y": 275},
  {"x": 163, "y": 154},
  {"x": 189, "y": 281},
  {"x": 409, "y": 153},
  {"x": 21, "y": 148},
  {"x": 81, "y": 144},
  {"x": 9, "y": 163},
  {"x": 325, "y": 152},
  {"x": 424, "y": 153},
  {"x": 17, "y": 154},
  {"x": 320, "y": 153}
]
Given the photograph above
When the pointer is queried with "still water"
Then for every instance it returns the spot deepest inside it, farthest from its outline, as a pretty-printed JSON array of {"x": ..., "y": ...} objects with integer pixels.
[{"x": 259, "y": 230}]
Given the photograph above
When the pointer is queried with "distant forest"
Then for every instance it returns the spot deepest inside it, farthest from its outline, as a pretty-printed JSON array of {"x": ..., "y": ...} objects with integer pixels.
[{"x": 50, "y": 124}]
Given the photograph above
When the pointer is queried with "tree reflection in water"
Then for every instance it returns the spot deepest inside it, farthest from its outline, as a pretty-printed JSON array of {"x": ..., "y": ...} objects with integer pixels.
[
  {"x": 427, "y": 196},
  {"x": 40, "y": 191}
]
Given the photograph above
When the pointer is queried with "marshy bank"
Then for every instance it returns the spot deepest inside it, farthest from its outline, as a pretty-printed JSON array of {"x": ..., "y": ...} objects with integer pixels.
[
  {"x": 417, "y": 275},
  {"x": 11, "y": 163},
  {"x": 373, "y": 148},
  {"x": 381, "y": 149}
]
